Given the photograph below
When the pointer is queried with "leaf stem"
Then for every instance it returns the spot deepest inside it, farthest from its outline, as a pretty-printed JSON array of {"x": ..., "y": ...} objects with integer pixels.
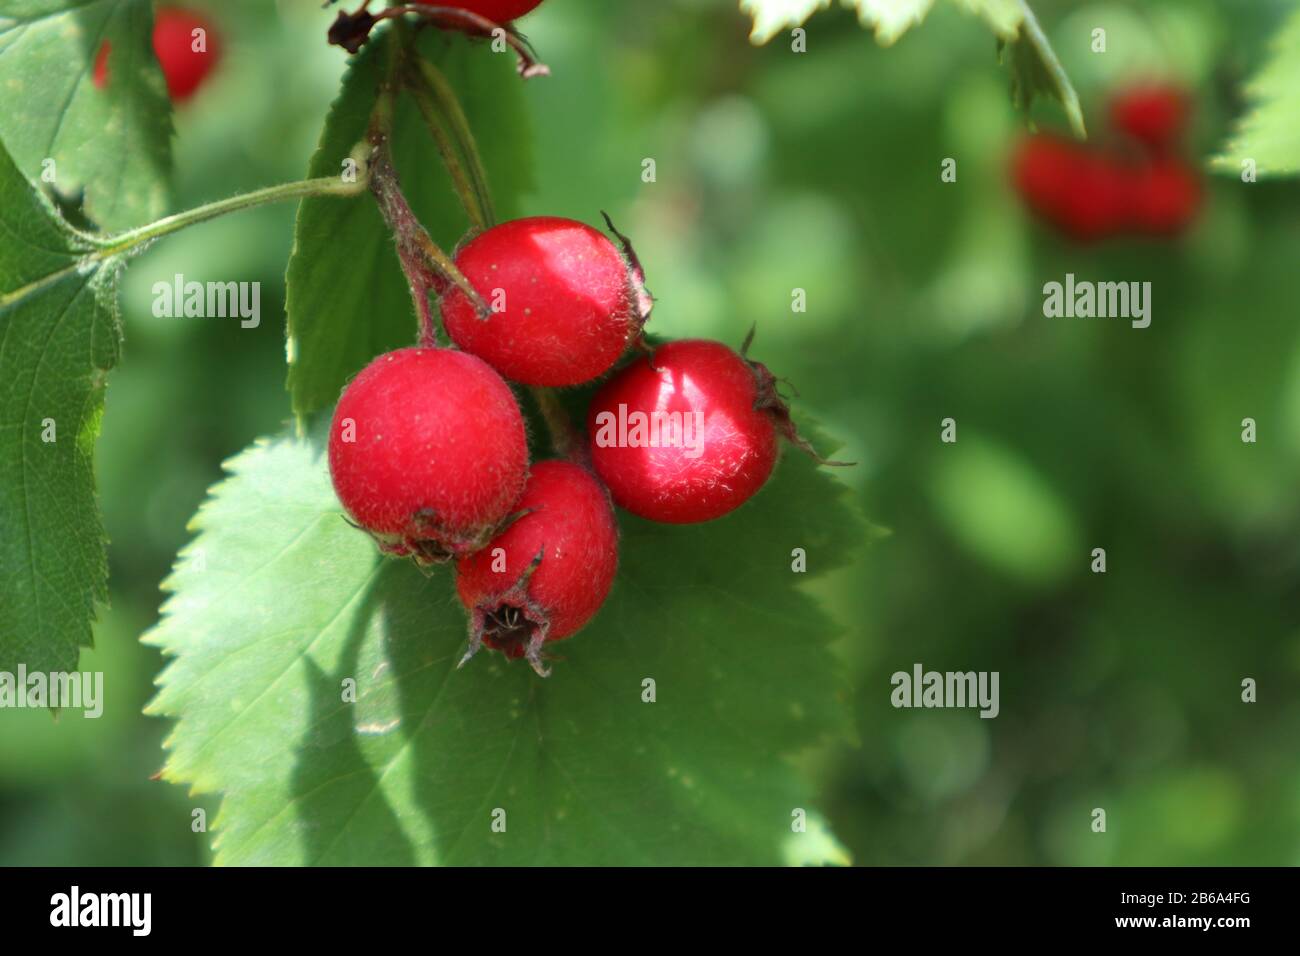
[
  {"x": 125, "y": 243},
  {"x": 323, "y": 186},
  {"x": 433, "y": 85},
  {"x": 470, "y": 195}
]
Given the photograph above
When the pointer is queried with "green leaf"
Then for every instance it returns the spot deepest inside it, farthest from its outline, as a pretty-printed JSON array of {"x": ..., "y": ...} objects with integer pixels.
[
  {"x": 1035, "y": 70},
  {"x": 1035, "y": 67},
  {"x": 112, "y": 143},
  {"x": 59, "y": 335},
  {"x": 1270, "y": 133},
  {"x": 278, "y": 602},
  {"x": 890, "y": 19},
  {"x": 773, "y": 16},
  {"x": 347, "y": 298}
]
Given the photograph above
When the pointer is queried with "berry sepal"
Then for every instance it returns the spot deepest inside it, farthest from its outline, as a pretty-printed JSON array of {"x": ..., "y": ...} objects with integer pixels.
[
  {"x": 769, "y": 401},
  {"x": 643, "y": 298},
  {"x": 512, "y": 623}
]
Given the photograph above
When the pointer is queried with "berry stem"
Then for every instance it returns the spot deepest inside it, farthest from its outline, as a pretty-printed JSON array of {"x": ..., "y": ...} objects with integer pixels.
[
  {"x": 565, "y": 438},
  {"x": 422, "y": 260}
]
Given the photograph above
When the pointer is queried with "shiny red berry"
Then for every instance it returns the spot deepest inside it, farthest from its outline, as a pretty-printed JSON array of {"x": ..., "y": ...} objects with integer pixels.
[
  {"x": 548, "y": 572},
  {"x": 498, "y": 11},
  {"x": 1154, "y": 115},
  {"x": 187, "y": 47},
  {"x": 561, "y": 296},
  {"x": 687, "y": 435},
  {"x": 428, "y": 452}
]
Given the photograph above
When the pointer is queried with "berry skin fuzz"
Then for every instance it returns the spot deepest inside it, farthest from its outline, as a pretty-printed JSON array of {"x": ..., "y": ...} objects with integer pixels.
[
  {"x": 562, "y": 298},
  {"x": 545, "y": 576},
  {"x": 688, "y": 434},
  {"x": 428, "y": 452}
]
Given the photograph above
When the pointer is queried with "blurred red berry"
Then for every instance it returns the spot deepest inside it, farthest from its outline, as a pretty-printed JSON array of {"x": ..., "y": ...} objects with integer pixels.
[
  {"x": 1153, "y": 115},
  {"x": 187, "y": 47},
  {"x": 1166, "y": 196},
  {"x": 99, "y": 75},
  {"x": 1080, "y": 192}
]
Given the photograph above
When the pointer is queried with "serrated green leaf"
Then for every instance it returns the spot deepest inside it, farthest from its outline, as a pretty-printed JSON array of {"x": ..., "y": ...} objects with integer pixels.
[
  {"x": 772, "y": 16},
  {"x": 347, "y": 298},
  {"x": 112, "y": 143},
  {"x": 890, "y": 19},
  {"x": 1036, "y": 71},
  {"x": 1035, "y": 67},
  {"x": 1003, "y": 16},
  {"x": 278, "y": 602},
  {"x": 59, "y": 335},
  {"x": 1270, "y": 133},
  {"x": 887, "y": 19}
]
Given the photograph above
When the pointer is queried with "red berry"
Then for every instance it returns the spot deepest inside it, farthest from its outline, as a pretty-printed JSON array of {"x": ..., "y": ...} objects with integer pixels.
[
  {"x": 563, "y": 296},
  {"x": 1152, "y": 115},
  {"x": 1166, "y": 197},
  {"x": 1082, "y": 193},
  {"x": 543, "y": 577},
  {"x": 428, "y": 452},
  {"x": 687, "y": 435},
  {"x": 498, "y": 11},
  {"x": 187, "y": 48}
]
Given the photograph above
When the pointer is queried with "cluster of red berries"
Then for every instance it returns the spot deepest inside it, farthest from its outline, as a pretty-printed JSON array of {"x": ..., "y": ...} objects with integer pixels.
[
  {"x": 187, "y": 48},
  {"x": 1139, "y": 186},
  {"x": 428, "y": 449}
]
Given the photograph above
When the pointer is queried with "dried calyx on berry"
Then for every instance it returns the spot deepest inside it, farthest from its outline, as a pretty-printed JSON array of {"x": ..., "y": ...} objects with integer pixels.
[
  {"x": 428, "y": 452},
  {"x": 548, "y": 572}
]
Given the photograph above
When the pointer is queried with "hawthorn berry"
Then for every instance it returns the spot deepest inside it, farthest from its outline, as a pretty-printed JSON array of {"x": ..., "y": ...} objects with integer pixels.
[
  {"x": 1166, "y": 197},
  {"x": 563, "y": 299},
  {"x": 498, "y": 11},
  {"x": 688, "y": 434},
  {"x": 1081, "y": 192},
  {"x": 1154, "y": 115},
  {"x": 185, "y": 55},
  {"x": 545, "y": 576},
  {"x": 428, "y": 452}
]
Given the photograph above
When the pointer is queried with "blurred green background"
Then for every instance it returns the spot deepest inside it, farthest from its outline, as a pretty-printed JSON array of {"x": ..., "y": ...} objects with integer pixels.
[{"x": 820, "y": 171}]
